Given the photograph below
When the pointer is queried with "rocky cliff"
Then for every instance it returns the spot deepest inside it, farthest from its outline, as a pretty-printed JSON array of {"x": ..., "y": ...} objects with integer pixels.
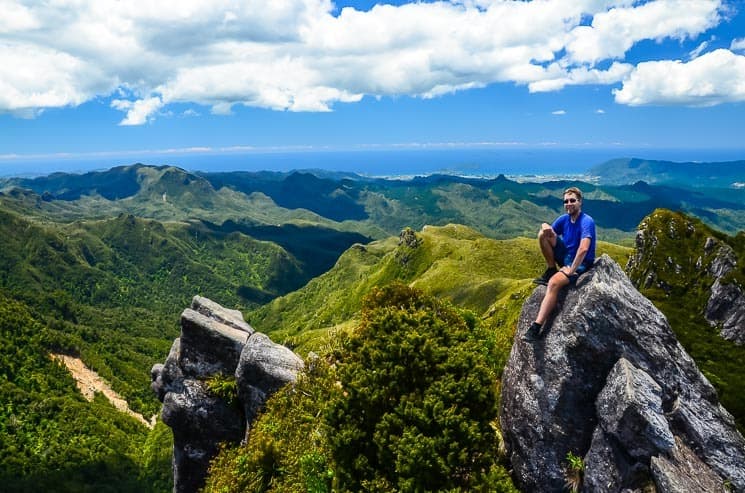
[
  {"x": 216, "y": 345},
  {"x": 684, "y": 258},
  {"x": 610, "y": 383}
]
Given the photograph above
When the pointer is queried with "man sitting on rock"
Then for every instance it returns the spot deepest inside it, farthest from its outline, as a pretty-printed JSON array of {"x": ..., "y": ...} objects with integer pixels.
[{"x": 568, "y": 243}]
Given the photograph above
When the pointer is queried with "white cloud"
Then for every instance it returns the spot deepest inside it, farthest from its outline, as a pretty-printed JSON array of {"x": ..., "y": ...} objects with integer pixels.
[
  {"x": 296, "y": 55},
  {"x": 699, "y": 49},
  {"x": 614, "y": 32},
  {"x": 600, "y": 111},
  {"x": 138, "y": 112},
  {"x": 713, "y": 78},
  {"x": 559, "y": 112},
  {"x": 737, "y": 44}
]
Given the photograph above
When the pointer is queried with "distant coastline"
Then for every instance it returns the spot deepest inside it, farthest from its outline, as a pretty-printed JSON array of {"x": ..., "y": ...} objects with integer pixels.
[{"x": 523, "y": 163}]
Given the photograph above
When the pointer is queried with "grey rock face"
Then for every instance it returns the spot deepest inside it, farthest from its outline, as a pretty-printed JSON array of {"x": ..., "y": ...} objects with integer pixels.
[
  {"x": 263, "y": 369},
  {"x": 215, "y": 341},
  {"x": 629, "y": 409},
  {"x": 609, "y": 382},
  {"x": 726, "y": 304},
  {"x": 682, "y": 471}
]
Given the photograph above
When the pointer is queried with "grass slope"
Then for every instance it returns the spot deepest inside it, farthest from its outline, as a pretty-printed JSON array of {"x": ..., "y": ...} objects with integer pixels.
[{"x": 489, "y": 277}]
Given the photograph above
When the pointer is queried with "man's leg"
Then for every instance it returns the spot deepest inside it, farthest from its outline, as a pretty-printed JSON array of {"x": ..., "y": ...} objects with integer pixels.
[
  {"x": 555, "y": 285},
  {"x": 557, "y": 282},
  {"x": 548, "y": 243}
]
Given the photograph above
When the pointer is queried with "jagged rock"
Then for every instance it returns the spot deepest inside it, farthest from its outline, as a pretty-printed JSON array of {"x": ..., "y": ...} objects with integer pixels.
[
  {"x": 683, "y": 472},
  {"x": 560, "y": 394},
  {"x": 264, "y": 368},
  {"x": 715, "y": 259},
  {"x": 200, "y": 422},
  {"x": 409, "y": 238},
  {"x": 726, "y": 304},
  {"x": 215, "y": 341},
  {"x": 629, "y": 409},
  {"x": 212, "y": 310},
  {"x": 209, "y": 346}
]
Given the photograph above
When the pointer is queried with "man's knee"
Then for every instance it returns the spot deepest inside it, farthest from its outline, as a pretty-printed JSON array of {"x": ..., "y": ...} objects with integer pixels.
[
  {"x": 557, "y": 282},
  {"x": 546, "y": 233}
]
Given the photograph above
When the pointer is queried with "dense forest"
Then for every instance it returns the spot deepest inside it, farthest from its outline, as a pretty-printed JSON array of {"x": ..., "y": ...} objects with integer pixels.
[{"x": 99, "y": 266}]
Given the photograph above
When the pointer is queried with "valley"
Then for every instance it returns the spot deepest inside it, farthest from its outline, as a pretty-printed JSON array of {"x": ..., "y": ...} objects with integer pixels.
[{"x": 98, "y": 266}]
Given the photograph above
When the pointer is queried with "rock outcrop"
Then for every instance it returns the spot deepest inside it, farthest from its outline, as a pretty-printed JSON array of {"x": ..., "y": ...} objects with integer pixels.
[
  {"x": 683, "y": 257},
  {"x": 726, "y": 305},
  {"x": 610, "y": 383},
  {"x": 215, "y": 341}
]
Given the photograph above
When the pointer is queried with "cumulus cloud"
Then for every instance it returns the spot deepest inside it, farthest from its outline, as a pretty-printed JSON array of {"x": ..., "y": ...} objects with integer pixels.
[
  {"x": 138, "y": 112},
  {"x": 737, "y": 44},
  {"x": 713, "y": 78},
  {"x": 305, "y": 55},
  {"x": 614, "y": 32}
]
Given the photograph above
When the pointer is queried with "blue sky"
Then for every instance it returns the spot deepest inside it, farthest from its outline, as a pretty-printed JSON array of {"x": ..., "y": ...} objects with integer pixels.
[{"x": 145, "y": 81}]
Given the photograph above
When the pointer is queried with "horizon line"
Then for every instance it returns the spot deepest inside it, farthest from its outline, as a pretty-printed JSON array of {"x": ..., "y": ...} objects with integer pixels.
[{"x": 413, "y": 146}]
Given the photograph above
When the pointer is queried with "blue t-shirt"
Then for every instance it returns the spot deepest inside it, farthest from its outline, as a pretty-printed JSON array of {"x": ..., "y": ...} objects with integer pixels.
[{"x": 572, "y": 234}]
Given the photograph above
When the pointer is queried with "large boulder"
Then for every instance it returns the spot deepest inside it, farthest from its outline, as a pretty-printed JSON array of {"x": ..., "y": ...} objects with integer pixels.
[
  {"x": 610, "y": 383},
  {"x": 215, "y": 341}
]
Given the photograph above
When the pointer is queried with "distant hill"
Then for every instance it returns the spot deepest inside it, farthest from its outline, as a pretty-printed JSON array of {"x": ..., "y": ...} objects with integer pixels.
[
  {"x": 375, "y": 208},
  {"x": 626, "y": 171}
]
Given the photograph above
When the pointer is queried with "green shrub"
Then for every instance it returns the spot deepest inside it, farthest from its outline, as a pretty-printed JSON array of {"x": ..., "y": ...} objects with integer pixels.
[
  {"x": 287, "y": 449},
  {"x": 224, "y": 387},
  {"x": 418, "y": 399}
]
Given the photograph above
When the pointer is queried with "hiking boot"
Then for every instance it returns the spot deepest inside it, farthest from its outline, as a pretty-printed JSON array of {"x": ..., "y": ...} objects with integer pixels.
[
  {"x": 547, "y": 274},
  {"x": 533, "y": 333}
]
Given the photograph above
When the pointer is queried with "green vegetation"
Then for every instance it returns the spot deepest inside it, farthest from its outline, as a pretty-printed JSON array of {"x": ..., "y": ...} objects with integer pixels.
[
  {"x": 453, "y": 262},
  {"x": 288, "y": 449},
  {"x": 100, "y": 266},
  {"x": 418, "y": 400},
  {"x": 376, "y": 208},
  {"x": 224, "y": 387},
  {"x": 575, "y": 469},
  {"x": 722, "y": 175},
  {"x": 409, "y": 401},
  {"x": 51, "y": 439}
]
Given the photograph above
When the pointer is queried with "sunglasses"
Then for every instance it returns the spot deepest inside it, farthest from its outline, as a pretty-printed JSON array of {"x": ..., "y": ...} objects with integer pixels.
[{"x": 570, "y": 201}]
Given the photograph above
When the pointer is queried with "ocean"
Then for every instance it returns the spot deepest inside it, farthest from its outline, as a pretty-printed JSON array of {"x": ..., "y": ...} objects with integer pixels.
[{"x": 537, "y": 162}]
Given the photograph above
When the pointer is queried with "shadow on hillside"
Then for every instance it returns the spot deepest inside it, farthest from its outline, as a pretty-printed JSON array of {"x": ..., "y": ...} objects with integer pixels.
[
  {"x": 316, "y": 248},
  {"x": 115, "y": 475}
]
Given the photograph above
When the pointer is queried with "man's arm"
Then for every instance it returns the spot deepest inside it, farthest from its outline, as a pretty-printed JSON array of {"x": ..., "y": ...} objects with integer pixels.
[{"x": 584, "y": 247}]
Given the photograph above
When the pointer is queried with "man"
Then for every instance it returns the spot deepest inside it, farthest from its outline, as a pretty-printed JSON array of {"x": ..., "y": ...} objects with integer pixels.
[{"x": 568, "y": 243}]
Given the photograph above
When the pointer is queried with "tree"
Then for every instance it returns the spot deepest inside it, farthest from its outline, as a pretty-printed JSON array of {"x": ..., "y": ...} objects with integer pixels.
[{"x": 418, "y": 401}]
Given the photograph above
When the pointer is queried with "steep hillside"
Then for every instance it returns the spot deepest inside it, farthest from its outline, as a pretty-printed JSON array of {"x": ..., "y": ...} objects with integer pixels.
[
  {"x": 51, "y": 438},
  {"x": 110, "y": 290},
  {"x": 453, "y": 262},
  {"x": 676, "y": 264}
]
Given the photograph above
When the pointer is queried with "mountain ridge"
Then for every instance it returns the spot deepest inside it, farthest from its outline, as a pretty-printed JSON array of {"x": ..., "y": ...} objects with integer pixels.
[{"x": 623, "y": 171}]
